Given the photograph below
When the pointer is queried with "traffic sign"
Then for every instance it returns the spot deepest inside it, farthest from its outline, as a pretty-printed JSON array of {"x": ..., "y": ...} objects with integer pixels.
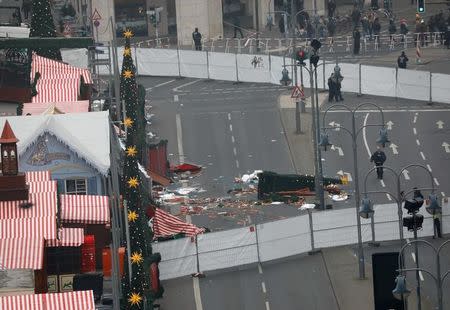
[
  {"x": 297, "y": 92},
  {"x": 96, "y": 15}
]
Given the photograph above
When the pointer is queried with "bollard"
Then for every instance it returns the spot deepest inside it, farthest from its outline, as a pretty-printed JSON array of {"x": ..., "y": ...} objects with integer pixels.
[{"x": 298, "y": 121}]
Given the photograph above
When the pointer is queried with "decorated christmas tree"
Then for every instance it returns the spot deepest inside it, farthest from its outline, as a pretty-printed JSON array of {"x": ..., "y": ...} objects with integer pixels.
[
  {"x": 142, "y": 288},
  {"x": 42, "y": 26}
]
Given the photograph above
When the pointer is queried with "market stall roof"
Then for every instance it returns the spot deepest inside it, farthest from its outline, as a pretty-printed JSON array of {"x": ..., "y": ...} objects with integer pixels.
[
  {"x": 68, "y": 301},
  {"x": 37, "y": 176},
  {"x": 165, "y": 224},
  {"x": 21, "y": 253},
  {"x": 87, "y": 134},
  {"x": 53, "y": 108},
  {"x": 86, "y": 209},
  {"x": 72, "y": 237}
]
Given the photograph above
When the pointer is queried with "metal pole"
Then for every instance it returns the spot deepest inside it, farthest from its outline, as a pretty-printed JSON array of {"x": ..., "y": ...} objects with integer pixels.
[
  {"x": 207, "y": 63},
  {"x": 298, "y": 121},
  {"x": 179, "y": 64},
  {"x": 311, "y": 230},
  {"x": 257, "y": 243},
  {"x": 316, "y": 158},
  {"x": 399, "y": 211},
  {"x": 319, "y": 152},
  {"x": 431, "y": 98},
  {"x": 116, "y": 70},
  {"x": 359, "y": 77},
  {"x": 196, "y": 254},
  {"x": 257, "y": 25},
  {"x": 416, "y": 251},
  {"x": 357, "y": 199},
  {"x": 439, "y": 280}
]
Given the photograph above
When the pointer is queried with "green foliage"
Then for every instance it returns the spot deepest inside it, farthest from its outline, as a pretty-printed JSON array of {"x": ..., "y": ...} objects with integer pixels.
[{"x": 42, "y": 25}]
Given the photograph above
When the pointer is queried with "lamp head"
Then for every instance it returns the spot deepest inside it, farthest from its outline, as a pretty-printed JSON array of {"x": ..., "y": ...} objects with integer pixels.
[
  {"x": 400, "y": 291},
  {"x": 366, "y": 209}
]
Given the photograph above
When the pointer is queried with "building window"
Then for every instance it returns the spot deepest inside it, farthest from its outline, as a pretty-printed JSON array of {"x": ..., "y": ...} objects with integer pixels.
[{"x": 76, "y": 187}]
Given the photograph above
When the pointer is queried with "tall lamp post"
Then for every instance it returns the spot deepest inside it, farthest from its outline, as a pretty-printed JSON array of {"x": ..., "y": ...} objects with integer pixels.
[
  {"x": 401, "y": 291},
  {"x": 414, "y": 222},
  {"x": 354, "y": 132}
]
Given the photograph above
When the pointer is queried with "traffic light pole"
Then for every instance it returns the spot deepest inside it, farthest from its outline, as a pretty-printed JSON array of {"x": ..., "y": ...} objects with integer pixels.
[{"x": 416, "y": 252}]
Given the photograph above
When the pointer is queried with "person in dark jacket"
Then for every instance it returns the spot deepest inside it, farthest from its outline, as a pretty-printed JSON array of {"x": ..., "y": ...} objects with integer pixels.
[
  {"x": 402, "y": 60},
  {"x": 376, "y": 29},
  {"x": 331, "y": 8},
  {"x": 356, "y": 41},
  {"x": 392, "y": 29},
  {"x": 378, "y": 158},
  {"x": 332, "y": 88},
  {"x": 281, "y": 24},
  {"x": 197, "y": 37},
  {"x": 237, "y": 26}
]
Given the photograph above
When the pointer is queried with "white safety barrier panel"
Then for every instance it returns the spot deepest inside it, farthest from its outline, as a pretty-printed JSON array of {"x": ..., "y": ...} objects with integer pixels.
[
  {"x": 227, "y": 248},
  {"x": 445, "y": 225},
  {"x": 378, "y": 81},
  {"x": 222, "y": 66},
  {"x": 440, "y": 87},
  {"x": 350, "y": 83},
  {"x": 334, "y": 228},
  {"x": 413, "y": 84},
  {"x": 157, "y": 62},
  {"x": 276, "y": 65},
  {"x": 284, "y": 238},
  {"x": 193, "y": 64},
  {"x": 253, "y": 68},
  {"x": 178, "y": 258}
]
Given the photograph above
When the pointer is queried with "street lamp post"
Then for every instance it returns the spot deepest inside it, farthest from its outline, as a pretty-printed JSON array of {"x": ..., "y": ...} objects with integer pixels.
[
  {"x": 354, "y": 134},
  {"x": 400, "y": 198},
  {"x": 401, "y": 291}
]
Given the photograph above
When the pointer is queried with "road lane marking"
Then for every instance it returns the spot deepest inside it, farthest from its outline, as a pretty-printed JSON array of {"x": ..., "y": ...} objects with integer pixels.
[
  {"x": 436, "y": 182},
  {"x": 388, "y": 197},
  {"x": 364, "y": 135},
  {"x": 260, "y": 269},
  {"x": 175, "y": 98},
  {"x": 179, "y": 138},
  {"x": 429, "y": 168},
  {"x": 231, "y": 127},
  {"x": 442, "y": 194},
  {"x": 197, "y": 296},
  {"x": 232, "y": 139},
  {"x": 423, "y": 156},
  {"x": 382, "y": 183},
  {"x": 234, "y": 151},
  {"x": 415, "y": 119},
  {"x": 267, "y": 305},
  {"x": 187, "y": 84},
  {"x": 415, "y": 131},
  {"x": 263, "y": 287},
  {"x": 159, "y": 85},
  {"x": 417, "y": 141},
  {"x": 421, "y": 276},
  {"x": 229, "y": 116},
  {"x": 237, "y": 163}
]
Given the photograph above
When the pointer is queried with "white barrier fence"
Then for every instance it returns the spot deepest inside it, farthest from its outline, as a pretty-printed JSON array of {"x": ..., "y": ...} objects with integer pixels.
[
  {"x": 371, "y": 80},
  {"x": 284, "y": 238}
]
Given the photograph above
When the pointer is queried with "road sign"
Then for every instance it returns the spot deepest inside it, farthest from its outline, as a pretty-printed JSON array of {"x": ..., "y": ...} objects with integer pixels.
[
  {"x": 96, "y": 15},
  {"x": 297, "y": 92}
]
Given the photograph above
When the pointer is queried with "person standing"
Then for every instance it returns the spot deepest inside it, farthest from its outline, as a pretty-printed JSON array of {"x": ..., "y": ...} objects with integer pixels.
[
  {"x": 403, "y": 29},
  {"x": 377, "y": 29},
  {"x": 402, "y": 60},
  {"x": 356, "y": 16},
  {"x": 378, "y": 157},
  {"x": 331, "y": 88},
  {"x": 338, "y": 78},
  {"x": 237, "y": 26},
  {"x": 197, "y": 37},
  {"x": 392, "y": 30},
  {"x": 356, "y": 41},
  {"x": 437, "y": 218},
  {"x": 331, "y": 8},
  {"x": 281, "y": 24}
]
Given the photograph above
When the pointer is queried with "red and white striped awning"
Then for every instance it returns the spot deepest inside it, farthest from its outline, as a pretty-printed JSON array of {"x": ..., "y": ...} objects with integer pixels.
[
  {"x": 43, "y": 187},
  {"x": 21, "y": 253},
  {"x": 87, "y": 209},
  {"x": 37, "y": 176},
  {"x": 79, "y": 106},
  {"x": 44, "y": 227},
  {"x": 57, "y": 90},
  {"x": 165, "y": 224},
  {"x": 67, "y": 237},
  {"x": 43, "y": 204},
  {"x": 78, "y": 300}
]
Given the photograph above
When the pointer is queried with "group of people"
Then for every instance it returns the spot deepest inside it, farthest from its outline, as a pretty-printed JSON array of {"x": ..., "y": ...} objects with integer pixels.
[{"x": 334, "y": 85}]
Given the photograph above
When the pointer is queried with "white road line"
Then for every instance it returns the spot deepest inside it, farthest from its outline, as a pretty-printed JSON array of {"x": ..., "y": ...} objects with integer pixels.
[
  {"x": 197, "y": 296},
  {"x": 187, "y": 84},
  {"x": 229, "y": 116},
  {"x": 232, "y": 139},
  {"x": 413, "y": 256},
  {"x": 263, "y": 287},
  {"x": 417, "y": 141},
  {"x": 231, "y": 127},
  {"x": 382, "y": 183},
  {"x": 260, "y": 269},
  {"x": 364, "y": 134},
  {"x": 415, "y": 119},
  {"x": 159, "y": 85},
  {"x": 421, "y": 276},
  {"x": 436, "y": 182},
  {"x": 234, "y": 151},
  {"x": 442, "y": 194},
  {"x": 237, "y": 163},
  {"x": 267, "y": 305},
  {"x": 179, "y": 138},
  {"x": 429, "y": 168},
  {"x": 175, "y": 98},
  {"x": 423, "y": 156},
  {"x": 388, "y": 197},
  {"x": 415, "y": 131}
]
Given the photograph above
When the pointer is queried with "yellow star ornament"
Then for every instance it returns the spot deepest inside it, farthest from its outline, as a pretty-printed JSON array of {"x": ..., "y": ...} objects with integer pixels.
[
  {"x": 132, "y": 216},
  {"x": 127, "y": 52},
  {"x": 136, "y": 258},
  {"x": 135, "y": 299},
  {"x": 131, "y": 151},
  {"x": 127, "y": 74},
  {"x": 127, "y": 33},
  {"x": 128, "y": 122},
  {"x": 133, "y": 182}
]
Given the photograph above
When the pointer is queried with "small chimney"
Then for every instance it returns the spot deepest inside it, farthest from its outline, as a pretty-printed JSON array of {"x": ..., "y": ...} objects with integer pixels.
[{"x": 12, "y": 183}]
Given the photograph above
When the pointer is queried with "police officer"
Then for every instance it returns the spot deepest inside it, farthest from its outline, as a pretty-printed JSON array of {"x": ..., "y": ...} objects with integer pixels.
[
  {"x": 197, "y": 37},
  {"x": 378, "y": 158}
]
